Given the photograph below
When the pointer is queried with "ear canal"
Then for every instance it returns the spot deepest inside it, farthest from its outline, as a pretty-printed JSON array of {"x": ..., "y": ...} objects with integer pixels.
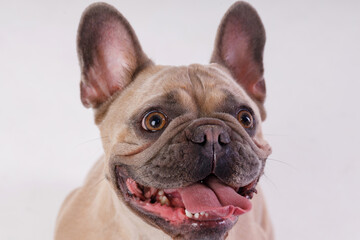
[
  {"x": 109, "y": 54},
  {"x": 239, "y": 46}
]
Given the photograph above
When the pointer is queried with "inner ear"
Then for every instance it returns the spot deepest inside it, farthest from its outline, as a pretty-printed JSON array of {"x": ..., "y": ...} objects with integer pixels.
[
  {"x": 109, "y": 53},
  {"x": 239, "y": 46}
]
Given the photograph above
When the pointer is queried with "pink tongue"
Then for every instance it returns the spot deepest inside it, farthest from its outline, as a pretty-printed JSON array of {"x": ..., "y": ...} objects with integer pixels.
[{"x": 215, "y": 198}]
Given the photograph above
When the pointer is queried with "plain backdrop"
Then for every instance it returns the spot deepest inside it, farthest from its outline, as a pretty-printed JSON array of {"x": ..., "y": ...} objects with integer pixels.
[{"x": 48, "y": 140}]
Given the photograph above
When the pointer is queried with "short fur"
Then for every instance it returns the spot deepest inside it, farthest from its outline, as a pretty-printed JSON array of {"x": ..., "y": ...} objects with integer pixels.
[{"x": 121, "y": 84}]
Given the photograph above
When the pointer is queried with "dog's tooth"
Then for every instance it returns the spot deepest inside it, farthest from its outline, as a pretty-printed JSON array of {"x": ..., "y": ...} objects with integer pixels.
[
  {"x": 164, "y": 200},
  {"x": 161, "y": 192},
  {"x": 188, "y": 214},
  {"x": 206, "y": 214},
  {"x": 196, "y": 215},
  {"x": 202, "y": 213}
]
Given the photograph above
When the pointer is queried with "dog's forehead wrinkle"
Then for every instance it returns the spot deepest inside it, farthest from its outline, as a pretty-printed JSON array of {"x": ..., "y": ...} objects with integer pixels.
[
  {"x": 202, "y": 89},
  {"x": 212, "y": 87},
  {"x": 195, "y": 79},
  {"x": 205, "y": 87}
]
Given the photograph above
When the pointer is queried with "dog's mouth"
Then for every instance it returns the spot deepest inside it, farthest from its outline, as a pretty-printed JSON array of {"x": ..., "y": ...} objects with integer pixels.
[{"x": 206, "y": 201}]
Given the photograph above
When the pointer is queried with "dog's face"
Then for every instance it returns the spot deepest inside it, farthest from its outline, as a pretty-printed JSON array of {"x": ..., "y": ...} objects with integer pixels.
[{"x": 183, "y": 145}]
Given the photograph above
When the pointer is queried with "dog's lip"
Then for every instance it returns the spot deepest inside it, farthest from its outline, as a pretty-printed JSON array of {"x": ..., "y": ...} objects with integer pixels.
[
  {"x": 249, "y": 189},
  {"x": 162, "y": 203}
]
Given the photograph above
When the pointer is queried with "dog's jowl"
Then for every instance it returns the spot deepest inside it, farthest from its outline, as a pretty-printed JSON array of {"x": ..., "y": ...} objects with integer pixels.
[{"x": 183, "y": 146}]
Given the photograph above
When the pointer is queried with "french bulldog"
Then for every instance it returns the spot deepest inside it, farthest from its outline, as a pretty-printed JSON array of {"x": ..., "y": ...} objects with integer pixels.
[{"x": 183, "y": 146}]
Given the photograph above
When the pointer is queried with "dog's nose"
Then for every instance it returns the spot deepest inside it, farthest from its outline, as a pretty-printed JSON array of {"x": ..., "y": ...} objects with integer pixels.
[
  {"x": 210, "y": 140},
  {"x": 212, "y": 135}
]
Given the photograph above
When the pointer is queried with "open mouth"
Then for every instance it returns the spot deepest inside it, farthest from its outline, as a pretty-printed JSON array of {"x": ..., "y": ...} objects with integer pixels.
[{"x": 209, "y": 200}]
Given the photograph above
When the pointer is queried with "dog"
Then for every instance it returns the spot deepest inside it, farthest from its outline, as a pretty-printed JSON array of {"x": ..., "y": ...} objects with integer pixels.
[{"x": 183, "y": 146}]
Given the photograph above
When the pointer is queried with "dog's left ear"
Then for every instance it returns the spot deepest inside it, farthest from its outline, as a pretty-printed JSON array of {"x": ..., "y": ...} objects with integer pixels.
[{"x": 239, "y": 46}]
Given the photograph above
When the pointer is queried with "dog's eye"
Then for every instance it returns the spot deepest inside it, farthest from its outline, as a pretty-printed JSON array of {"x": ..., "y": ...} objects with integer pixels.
[
  {"x": 154, "y": 121},
  {"x": 246, "y": 119}
]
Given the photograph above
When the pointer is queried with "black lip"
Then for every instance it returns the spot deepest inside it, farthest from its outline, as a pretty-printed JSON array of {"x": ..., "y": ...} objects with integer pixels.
[
  {"x": 127, "y": 196},
  {"x": 249, "y": 189},
  {"x": 189, "y": 229},
  {"x": 120, "y": 178}
]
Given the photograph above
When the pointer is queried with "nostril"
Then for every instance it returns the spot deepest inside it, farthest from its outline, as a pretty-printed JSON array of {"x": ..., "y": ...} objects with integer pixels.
[
  {"x": 220, "y": 141},
  {"x": 224, "y": 138},
  {"x": 199, "y": 139},
  {"x": 208, "y": 134}
]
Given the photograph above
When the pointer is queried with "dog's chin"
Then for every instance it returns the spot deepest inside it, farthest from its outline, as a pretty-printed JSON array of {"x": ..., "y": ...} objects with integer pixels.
[{"x": 167, "y": 208}]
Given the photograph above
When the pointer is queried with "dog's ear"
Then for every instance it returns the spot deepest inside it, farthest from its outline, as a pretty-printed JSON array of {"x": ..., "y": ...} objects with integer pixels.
[
  {"x": 109, "y": 53},
  {"x": 239, "y": 47}
]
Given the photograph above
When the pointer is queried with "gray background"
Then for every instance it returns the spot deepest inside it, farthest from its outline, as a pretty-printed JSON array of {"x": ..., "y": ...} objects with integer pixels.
[{"x": 48, "y": 141}]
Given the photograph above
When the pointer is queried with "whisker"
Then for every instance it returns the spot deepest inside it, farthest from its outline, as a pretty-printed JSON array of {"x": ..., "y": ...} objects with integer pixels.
[
  {"x": 91, "y": 140},
  {"x": 292, "y": 135},
  {"x": 283, "y": 162},
  {"x": 97, "y": 183},
  {"x": 275, "y": 135},
  {"x": 270, "y": 181}
]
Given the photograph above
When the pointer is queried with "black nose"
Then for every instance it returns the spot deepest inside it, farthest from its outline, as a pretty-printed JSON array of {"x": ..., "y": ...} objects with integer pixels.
[
  {"x": 214, "y": 136},
  {"x": 210, "y": 141}
]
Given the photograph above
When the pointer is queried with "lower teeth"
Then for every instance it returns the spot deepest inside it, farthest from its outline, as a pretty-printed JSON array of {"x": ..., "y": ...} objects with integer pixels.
[
  {"x": 160, "y": 198},
  {"x": 164, "y": 200},
  {"x": 195, "y": 215}
]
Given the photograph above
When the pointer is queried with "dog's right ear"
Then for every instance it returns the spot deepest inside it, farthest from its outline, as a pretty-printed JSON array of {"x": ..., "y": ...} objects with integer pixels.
[
  {"x": 239, "y": 46},
  {"x": 109, "y": 54}
]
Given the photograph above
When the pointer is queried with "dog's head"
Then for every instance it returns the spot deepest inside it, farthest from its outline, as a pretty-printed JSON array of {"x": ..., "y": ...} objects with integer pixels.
[{"x": 183, "y": 145}]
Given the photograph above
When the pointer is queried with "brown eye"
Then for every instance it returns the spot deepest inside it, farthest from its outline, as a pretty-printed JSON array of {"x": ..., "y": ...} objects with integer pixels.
[
  {"x": 154, "y": 121},
  {"x": 246, "y": 119}
]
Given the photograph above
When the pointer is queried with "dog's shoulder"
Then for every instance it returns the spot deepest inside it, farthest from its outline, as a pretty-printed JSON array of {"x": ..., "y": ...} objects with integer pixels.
[{"x": 74, "y": 218}]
